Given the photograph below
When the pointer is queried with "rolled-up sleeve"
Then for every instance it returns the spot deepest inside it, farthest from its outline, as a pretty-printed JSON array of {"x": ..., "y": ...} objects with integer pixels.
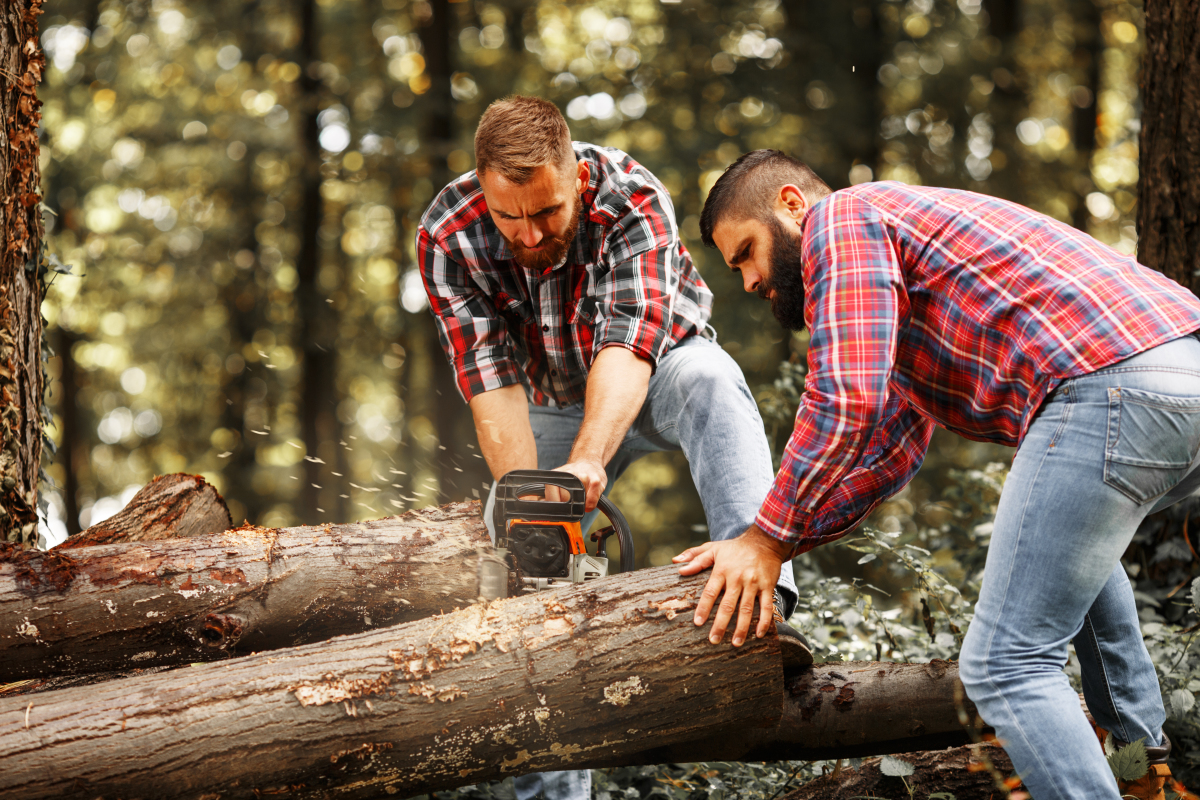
[
  {"x": 634, "y": 296},
  {"x": 854, "y": 442},
  {"x": 473, "y": 335}
]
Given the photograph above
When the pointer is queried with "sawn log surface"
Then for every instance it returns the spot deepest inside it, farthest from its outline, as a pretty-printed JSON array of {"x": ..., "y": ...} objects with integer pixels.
[
  {"x": 179, "y": 601},
  {"x": 539, "y": 682}
]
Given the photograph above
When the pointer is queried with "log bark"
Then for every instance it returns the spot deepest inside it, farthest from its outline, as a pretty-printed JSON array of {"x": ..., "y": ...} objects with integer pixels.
[
  {"x": 167, "y": 507},
  {"x": 539, "y": 682},
  {"x": 846, "y": 710},
  {"x": 179, "y": 601},
  {"x": 1169, "y": 147},
  {"x": 961, "y": 771}
]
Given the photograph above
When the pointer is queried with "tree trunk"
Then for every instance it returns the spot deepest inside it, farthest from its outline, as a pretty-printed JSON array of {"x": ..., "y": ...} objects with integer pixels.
[
  {"x": 962, "y": 772},
  {"x": 21, "y": 270},
  {"x": 169, "y": 506},
  {"x": 1169, "y": 160},
  {"x": 209, "y": 597},
  {"x": 533, "y": 683}
]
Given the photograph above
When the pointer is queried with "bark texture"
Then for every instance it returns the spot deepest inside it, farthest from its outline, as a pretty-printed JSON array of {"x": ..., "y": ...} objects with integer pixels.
[
  {"x": 845, "y": 710},
  {"x": 179, "y": 601},
  {"x": 21, "y": 286},
  {"x": 533, "y": 683},
  {"x": 168, "y": 506},
  {"x": 961, "y": 771},
  {"x": 1169, "y": 152}
]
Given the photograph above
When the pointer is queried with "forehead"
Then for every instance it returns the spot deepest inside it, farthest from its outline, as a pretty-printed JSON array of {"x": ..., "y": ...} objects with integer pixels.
[{"x": 547, "y": 186}]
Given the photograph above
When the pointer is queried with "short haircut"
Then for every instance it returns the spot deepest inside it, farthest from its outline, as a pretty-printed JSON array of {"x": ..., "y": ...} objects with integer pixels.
[
  {"x": 518, "y": 134},
  {"x": 747, "y": 189}
]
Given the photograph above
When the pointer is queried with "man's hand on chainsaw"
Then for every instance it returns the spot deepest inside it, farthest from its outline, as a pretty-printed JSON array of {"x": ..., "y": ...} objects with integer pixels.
[
  {"x": 745, "y": 569},
  {"x": 590, "y": 473}
]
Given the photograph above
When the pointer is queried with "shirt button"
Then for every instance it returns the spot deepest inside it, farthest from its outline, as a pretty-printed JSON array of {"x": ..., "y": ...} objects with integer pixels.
[
  {"x": 545, "y": 327},
  {"x": 553, "y": 373}
]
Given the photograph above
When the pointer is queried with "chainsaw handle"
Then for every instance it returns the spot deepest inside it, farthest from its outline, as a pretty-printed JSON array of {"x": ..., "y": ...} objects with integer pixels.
[{"x": 624, "y": 535}]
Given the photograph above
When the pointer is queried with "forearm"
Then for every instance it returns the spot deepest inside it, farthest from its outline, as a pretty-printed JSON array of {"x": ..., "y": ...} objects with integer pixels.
[
  {"x": 616, "y": 389},
  {"x": 502, "y": 425}
]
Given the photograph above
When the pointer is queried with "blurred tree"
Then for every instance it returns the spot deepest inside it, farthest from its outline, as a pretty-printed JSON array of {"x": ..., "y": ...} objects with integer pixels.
[
  {"x": 22, "y": 272},
  {"x": 1169, "y": 189}
]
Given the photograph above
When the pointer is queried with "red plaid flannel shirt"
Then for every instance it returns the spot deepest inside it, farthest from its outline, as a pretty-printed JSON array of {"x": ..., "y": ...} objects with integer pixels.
[
  {"x": 627, "y": 281},
  {"x": 938, "y": 306}
]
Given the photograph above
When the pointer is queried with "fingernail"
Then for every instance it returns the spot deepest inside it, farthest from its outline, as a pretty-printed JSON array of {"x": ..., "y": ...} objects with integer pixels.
[
  {"x": 698, "y": 620},
  {"x": 737, "y": 641},
  {"x": 714, "y": 639}
]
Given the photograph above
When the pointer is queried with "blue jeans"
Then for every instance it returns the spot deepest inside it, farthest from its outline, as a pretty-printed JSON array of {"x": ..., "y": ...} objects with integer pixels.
[
  {"x": 1107, "y": 449},
  {"x": 697, "y": 402}
]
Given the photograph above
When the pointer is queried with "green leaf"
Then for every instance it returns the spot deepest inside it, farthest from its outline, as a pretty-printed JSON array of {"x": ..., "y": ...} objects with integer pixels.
[
  {"x": 868, "y": 557},
  {"x": 896, "y": 768},
  {"x": 1130, "y": 763},
  {"x": 1196, "y": 595},
  {"x": 1182, "y": 701},
  {"x": 941, "y": 796}
]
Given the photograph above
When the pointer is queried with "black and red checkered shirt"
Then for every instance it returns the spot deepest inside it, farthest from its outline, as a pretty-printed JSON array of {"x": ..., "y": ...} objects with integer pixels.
[{"x": 627, "y": 281}]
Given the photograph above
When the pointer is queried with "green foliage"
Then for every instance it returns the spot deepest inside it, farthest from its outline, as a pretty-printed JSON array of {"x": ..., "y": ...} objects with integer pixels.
[{"x": 1130, "y": 763}]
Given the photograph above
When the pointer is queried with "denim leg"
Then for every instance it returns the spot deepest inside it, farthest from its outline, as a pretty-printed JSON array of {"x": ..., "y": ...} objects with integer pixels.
[
  {"x": 699, "y": 402},
  {"x": 1101, "y": 453},
  {"x": 575, "y": 784}
]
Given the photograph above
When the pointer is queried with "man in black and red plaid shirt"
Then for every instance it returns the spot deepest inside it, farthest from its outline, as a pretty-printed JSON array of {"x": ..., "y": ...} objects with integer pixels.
[{"x": 577, "y": 327}]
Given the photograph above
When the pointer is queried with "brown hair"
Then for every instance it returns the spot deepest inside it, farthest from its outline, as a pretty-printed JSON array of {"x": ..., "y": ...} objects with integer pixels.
[
  {"x": 747, "y": 189},
  {"x": 518, "y": 134}
]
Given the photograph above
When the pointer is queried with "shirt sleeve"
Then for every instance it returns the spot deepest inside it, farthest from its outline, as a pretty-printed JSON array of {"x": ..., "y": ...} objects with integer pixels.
[
  {"x": 473, "y": 335},
  {"x": 634, "y": 296},
  {"x": 854, "y": 443}
]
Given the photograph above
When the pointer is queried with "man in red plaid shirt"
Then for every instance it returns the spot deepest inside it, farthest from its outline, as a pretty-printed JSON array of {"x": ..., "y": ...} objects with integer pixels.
[
  {"x": 577, "y": 327},
  {"x": 942, "y": 307}
]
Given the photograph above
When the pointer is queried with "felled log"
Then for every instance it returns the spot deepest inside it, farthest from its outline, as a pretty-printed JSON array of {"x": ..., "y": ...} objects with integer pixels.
[
  {"x": 846, "y": 710},
  {"x": 960, "y": 771},
  {"x": 586, "y": 674},
  {"x": 166, "y": 507},
  {"x": 184, "y": 600}
]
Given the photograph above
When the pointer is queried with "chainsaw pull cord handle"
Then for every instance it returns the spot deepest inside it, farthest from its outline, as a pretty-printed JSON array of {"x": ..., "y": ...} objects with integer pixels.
[{"x": 624, "y": 536}]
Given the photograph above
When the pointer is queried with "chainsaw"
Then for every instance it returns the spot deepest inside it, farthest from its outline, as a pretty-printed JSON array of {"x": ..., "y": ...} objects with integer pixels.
[{"x": 540, "y": 543}]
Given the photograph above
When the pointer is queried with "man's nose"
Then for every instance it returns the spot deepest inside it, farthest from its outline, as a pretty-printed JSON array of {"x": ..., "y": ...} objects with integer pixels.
[
  {"x": 750, "y": 280},
  {"x": 530, "y": 235}
]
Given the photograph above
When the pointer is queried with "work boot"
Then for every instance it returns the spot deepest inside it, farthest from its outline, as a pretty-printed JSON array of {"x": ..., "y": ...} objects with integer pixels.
[
  {"x": 793, "y": 645},
  {"x": 1149, "y": 786}
]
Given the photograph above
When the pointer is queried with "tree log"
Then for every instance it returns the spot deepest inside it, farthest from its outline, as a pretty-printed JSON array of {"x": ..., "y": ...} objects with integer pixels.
[
  {"x": 845, "y": 710},
  {"x": 960, "y": 771},
  {"x": 179, "y": 601},
  {"x": 166, "y": 507},
  {"x": 544, "y": 681}
]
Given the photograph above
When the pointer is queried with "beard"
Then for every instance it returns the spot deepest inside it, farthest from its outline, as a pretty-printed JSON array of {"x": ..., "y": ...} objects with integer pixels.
[
  {"x": 786, "y": 279},
  {"x": 551, "y": 249}
]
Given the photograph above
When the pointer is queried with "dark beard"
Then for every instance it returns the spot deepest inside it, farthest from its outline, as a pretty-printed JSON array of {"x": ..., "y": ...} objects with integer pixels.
[
  {"x": 552, "y": 250},
  {"x": 787, "y": 277}
]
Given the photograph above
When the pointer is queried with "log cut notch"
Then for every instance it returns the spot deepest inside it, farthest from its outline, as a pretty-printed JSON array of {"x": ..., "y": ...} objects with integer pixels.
[
  {"x": 179, "y": 601},
  {"x": 544, "y": 681}
]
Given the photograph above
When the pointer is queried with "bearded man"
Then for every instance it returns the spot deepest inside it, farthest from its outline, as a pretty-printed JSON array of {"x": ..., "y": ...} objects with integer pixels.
[
  {"x": 936, "y": 306},
  {"x": 577, "y": 327}
]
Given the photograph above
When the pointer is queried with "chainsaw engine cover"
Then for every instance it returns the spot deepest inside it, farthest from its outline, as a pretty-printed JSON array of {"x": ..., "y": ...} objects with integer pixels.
[{"x": 540, "y": 551}]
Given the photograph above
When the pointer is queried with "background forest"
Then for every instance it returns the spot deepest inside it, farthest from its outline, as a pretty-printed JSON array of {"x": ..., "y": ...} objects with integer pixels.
[{"x": 236, "y": 186}]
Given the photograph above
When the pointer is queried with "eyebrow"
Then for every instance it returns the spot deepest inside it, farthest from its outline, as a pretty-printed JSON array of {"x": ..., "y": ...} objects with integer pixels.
[
  {"x": 740, "y": 255},
  {"x": 545, "y": 210}
]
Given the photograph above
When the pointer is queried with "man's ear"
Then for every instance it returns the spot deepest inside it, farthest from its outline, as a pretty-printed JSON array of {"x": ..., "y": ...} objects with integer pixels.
[
  {"x": 582, "y": 177},
  {"x": 791, "y": 201}
]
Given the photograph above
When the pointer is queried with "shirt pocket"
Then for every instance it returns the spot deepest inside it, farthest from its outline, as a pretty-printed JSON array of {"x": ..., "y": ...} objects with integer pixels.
[{"x": 1152, "y": 440}]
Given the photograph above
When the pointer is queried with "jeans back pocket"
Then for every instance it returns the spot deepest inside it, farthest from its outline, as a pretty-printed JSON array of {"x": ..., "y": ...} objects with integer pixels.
[{"x": 1152, "y": 440}]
